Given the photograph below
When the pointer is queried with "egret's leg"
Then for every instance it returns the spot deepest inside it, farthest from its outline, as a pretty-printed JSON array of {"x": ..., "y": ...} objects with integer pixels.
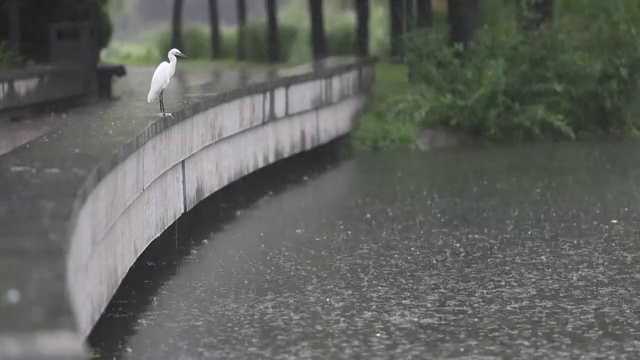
[{"x": 161, "y": 103}]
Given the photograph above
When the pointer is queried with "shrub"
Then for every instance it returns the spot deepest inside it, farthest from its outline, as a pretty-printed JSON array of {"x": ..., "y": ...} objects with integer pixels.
[
  {"x": 196, "y": 40},
  {"x": 256, "y": 41},
  {"x": 576, "y": 77},
  {"x": 390, "y": 124},
  {"x": 379, "y": 43},
  {"x": 7, "y": 56},
  {"x": 341, "y": 35},
  {"x": 229, "y": 38},
  {"x": 119, "y": 52},
  {"x": 197, "y": 43}
]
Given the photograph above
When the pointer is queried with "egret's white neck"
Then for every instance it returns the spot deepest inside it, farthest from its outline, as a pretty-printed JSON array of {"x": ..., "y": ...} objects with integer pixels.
[{"x": 172, "y": 59}]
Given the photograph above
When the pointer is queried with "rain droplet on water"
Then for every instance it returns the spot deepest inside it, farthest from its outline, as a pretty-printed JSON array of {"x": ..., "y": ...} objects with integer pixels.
[{"x": 12, "y": 296}]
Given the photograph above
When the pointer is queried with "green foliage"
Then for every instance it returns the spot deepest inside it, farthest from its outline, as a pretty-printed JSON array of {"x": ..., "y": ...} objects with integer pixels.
[
  {"x": 7, "y": 56},
  {"x": 294, "y": 31},
  {"x": 388, "y": 124},
  {"x": 196, "y": 40},
  {"x": 341, "y": 39},
  {"x": 132, "y": 54},
  {"x": 256, "y": 40},
  {"x": 379, "y": 30},
  {"x": 575, "y": 77}
]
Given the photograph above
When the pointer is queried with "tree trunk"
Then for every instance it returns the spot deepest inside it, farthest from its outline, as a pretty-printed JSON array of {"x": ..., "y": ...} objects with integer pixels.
[
  {"x": 318, "y": 38},
  {"x": 362, "y": 32},
  {"x": 273, "y": 38},
  {"x": 242, "y": 24},
  {"x": 14, "y": 25},
  {"x": 395, "y": 16},
  {"x": 214, "y": 22},
  {"x": 536, "y": 13},
  {"x": 424, "y": 9},
  {"x": 176, "y": 30},
  {"x": 464, "y": 20},
  {"x": 408, "y": 16}
]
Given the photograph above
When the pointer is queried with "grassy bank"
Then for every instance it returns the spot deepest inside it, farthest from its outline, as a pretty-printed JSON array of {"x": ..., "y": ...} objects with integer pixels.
[{"x": 386, "y": 124}]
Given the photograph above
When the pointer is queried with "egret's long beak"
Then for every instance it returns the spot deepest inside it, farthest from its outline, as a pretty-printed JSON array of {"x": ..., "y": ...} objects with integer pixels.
[{"x": 182, "y": 55}]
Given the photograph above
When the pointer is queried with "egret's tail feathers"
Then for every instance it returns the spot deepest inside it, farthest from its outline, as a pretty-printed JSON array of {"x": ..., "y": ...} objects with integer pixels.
[{"x": 151, "y": 97}]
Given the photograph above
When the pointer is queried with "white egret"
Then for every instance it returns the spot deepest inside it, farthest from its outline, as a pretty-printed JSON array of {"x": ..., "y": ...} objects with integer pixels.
[{"x": 162, "y": 75}]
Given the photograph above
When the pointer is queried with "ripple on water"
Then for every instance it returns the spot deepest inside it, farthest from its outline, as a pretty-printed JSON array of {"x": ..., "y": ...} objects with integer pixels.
[{"x": 516, "y": 253}]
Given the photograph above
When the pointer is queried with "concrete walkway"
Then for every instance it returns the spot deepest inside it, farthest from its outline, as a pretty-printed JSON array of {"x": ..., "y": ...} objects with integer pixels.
[{"x": 134, "y": 85}]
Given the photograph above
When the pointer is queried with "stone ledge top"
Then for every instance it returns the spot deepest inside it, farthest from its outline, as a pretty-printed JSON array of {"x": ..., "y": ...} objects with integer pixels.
[{"x": 44, "y": 183}]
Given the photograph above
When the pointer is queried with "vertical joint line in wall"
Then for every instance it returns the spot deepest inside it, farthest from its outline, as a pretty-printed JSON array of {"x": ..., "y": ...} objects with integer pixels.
[
  {"x": 272, "y": 105},
  {"x": 286, "y": 101},
  {"x": 318, "y": 127},
  {"x": 184, "y": 188},
  {"x": 328, "y": 95},
  {"x": 265, "y": 99}
]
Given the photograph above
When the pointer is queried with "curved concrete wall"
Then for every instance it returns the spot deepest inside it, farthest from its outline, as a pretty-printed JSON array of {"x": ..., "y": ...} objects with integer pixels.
[{"x": 144, "y": 188}]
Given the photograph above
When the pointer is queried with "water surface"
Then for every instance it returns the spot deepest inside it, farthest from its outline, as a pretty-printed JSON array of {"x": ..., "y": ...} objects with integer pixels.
[{"x": 521, "y": 252}]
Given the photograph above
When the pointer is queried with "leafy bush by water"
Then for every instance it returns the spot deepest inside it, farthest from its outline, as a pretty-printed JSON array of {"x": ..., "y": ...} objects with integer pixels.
[{"x": 577, "y": 77}]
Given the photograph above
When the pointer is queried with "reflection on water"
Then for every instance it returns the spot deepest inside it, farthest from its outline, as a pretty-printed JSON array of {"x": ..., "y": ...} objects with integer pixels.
[{"x": 523, "y": 252}]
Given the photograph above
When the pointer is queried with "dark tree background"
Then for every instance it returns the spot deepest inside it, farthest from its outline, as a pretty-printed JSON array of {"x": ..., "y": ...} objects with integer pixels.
[
  {"x": 214, "y": 23},
  {"x": 424, "y": 13},
  {"x": 13, "y": 14},
  {"x": 176, "y": 25},
  {"x": 535, "y": 13},
  {"x": 395, "y": 17},
  {"x": 318, "y": 37},
  {"x": 273, "y": 41},
  {"x": 408, "y": 16},
  {"x": 362, "y": 31},
  {"x": 464, "y": 20},
  {"x": 36, "y": 15},
  {"x": 242, "y": 25}
]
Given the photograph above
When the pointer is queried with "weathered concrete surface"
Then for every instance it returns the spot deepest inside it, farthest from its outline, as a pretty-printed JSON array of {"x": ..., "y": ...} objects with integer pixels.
[
  {"x": 20, "y": 88},
  {"x": 78, "y": 207}
]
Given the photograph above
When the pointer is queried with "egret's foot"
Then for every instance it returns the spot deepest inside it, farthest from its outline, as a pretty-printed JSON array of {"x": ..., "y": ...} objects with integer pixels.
[{"x": 165, "y": 114}]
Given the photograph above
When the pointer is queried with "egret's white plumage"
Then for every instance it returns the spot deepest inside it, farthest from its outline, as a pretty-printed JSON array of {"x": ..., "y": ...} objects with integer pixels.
[
  {"x": 162, "y": 76},
  {"x": 160, "y": 79}
]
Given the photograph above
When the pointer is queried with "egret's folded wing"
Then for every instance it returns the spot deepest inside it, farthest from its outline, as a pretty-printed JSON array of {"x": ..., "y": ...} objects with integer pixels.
[{"x": 160, "y": 76}]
